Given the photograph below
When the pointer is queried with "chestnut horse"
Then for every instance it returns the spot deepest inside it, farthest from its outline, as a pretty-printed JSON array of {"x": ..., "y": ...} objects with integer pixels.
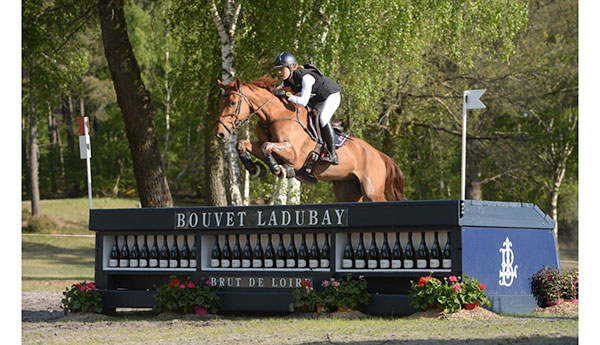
[{"x": 363, "y": 171}]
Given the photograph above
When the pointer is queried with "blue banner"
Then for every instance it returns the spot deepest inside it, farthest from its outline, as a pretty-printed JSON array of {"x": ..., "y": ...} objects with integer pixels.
[{"x": 504, "y": 260}]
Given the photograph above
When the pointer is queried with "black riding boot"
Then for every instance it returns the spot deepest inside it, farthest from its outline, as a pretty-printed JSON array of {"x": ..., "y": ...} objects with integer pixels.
[{"x": 328, "y": 138}]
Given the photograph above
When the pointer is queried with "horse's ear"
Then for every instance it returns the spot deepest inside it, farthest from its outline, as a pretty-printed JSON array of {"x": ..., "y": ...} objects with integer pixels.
[
  {"x": 238, "y": 83},
  {"x": 221, "y": 85}
]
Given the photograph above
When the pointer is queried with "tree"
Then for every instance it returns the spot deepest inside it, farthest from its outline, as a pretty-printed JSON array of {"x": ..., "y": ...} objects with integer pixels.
[{"x": 134, "y": 100}]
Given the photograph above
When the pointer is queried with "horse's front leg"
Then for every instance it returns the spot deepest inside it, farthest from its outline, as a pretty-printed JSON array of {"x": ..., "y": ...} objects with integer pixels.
[
  {"x": 245, "y": 146},
  {"x": 283, "y": 150}
]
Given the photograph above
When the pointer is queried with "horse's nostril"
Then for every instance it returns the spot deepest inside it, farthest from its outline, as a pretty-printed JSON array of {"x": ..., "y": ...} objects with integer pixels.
[{"x": 220, "y": 136}]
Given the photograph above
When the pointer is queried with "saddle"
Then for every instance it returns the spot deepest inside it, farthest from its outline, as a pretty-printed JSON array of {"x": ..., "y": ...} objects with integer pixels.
[{"x": 319, "y": 152}]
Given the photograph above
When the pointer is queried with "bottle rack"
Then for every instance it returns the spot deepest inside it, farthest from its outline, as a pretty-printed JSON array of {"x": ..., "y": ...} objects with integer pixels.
[
  {"x": 341, "y": 239},
  {"x": 208, "y": 242},
  {"x": 108, "y": 242}
]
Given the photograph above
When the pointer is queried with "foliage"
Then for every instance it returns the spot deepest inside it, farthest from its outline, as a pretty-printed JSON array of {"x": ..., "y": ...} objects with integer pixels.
[
  {"x": 450, "y": 295},
  {"x": 550, "y": 286},
  {"x": 82, "y": 297},
  {"x": 348, "y": 293},
  {"x": 180, "y": 295},
  {"x": 41, "y": 224},
  {"x": 306, "y": 298}
]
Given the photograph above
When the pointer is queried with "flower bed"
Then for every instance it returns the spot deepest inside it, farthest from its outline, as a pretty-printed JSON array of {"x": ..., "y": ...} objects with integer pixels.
[
  {"x": 342, "y": 295},
  {"x": 552, "y": 287},
  {"x": 82, "y": 297},
  {"x": 449, "y": 295},
  {"x": 187, "y": 297}
]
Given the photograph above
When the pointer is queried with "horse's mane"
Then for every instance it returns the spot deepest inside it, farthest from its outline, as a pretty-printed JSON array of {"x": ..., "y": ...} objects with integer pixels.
[{"x": 265, "y": 82}]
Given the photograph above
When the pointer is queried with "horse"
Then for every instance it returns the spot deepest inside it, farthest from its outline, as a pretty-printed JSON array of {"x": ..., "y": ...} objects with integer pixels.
[{"x": 284, "y": 144}]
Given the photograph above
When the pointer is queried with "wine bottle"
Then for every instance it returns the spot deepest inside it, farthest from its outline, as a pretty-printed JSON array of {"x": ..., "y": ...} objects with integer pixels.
[
  {"x": 185, "y": 254},
  {"x": 325, "y": 253},
  {"x": 236, "y": 255},
  {"x": 303, "y": 253},
  {"x": 373, "y": 253},
  {"x": 360, "y": 257},
  {"x": 124, "y": 257},
  {"x": 215, "y": 256},
  {"x": 164, "y": 254},
  {"x": 409, "y": 253},
  {"x": 447, "y": 255},
  {"x": 134, "y": 256},
  {"x": 348, "y": 260},
  {"x": 258, "y": 257},
  {"x": 226, "y": 254},
  {"x": 422, "y": 254},
  {"x": 280, "y": 254},
  {"x": 397, "y": 256},
  {"x": 174, "y": 257},
  {"x": 144, "y": 253},
  {"x": 114, "y": 254},
  {"x": 269, "y": 254},
  {"x": 154, "y": 254},
  {"x": 292, "y": 254},
  {"x": 435, "y": 255},
  {"x": 247, "y": 254},
  {"x": 313, "y": 255},
  {"x": 193, "y": 261},
  {"x": 385, "y": 254}
]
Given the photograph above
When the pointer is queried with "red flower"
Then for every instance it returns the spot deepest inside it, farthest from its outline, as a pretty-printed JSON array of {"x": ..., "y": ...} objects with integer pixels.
[
  {"x": 305, "y": 283},
  {"x": 174, "y": 283},
  {"x": 425, "y": 280},
  {"x": 64, "y": 292},
  {"x": 482, "y": 287},
  {"x": 78, "y": 286}
]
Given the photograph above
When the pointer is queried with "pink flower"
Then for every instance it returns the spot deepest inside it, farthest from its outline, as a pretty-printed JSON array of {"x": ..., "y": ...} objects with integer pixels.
[
  {"x": 182, "y": 286},
  {"x": 191, "y": 285},
  {"x": 336, "y": 284},
  {"x": 325, "y": 283},
  {"x": 84, "y": 288},
  {"x": 361, "y": 276},
  {"x": 453, "y": 279},
  {"x": 208, "y": 283},
  {"x": 456, "y": 287}
]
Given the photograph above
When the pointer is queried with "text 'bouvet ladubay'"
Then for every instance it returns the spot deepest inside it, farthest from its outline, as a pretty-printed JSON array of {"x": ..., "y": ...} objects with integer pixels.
[{"x": 322, "y": 217}]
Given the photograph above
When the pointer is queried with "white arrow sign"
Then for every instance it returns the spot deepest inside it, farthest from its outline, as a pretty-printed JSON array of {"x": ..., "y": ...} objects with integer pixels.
[{"x": 470, "y": 101}]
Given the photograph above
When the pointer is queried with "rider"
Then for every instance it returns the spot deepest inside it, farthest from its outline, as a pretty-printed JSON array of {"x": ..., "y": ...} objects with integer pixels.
[{"x": 313, "y": 89}]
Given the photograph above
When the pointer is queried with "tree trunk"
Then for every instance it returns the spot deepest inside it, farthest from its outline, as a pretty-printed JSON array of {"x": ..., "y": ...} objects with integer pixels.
[
  {"x": 214, "y": 165},
  {"x": 226, "y": 25},
  {"x": 68, "y": 111},
  {"x": 33, "y": 158},
  {"x": 134, "y": 100},
  {"x": 52, "y": 144}
]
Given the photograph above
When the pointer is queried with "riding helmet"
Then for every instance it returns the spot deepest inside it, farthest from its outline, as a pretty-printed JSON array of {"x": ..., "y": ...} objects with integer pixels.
[{"x": 285, "y": 59}]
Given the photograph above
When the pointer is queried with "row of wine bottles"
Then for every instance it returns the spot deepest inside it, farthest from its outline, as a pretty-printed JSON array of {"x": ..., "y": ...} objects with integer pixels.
[
  {"x": 270, "y": 257},
  {"x": 153, "y": 258},
  {"x": 396, "y": 258}
]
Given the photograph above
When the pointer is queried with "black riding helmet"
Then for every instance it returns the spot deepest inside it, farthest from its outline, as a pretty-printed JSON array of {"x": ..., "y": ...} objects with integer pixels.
[{"x": 285, "y": 59}]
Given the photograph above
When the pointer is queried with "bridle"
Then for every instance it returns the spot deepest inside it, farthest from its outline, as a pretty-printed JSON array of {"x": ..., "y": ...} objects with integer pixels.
[{"x": 236, "y": 122}]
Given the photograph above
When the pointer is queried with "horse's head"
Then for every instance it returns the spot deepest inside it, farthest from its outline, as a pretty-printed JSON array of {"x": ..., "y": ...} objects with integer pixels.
[{"x": 235, "y": 109}]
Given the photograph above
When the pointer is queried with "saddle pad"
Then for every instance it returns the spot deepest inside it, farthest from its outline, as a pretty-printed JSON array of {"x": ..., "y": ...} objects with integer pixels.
[{"x": 340, "y": 137}]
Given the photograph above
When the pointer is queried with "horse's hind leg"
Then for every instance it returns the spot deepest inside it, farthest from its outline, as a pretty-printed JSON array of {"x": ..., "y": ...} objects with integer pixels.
[
  {"x": 347, "y": 191},
  {"x": 371, "y": 191}
]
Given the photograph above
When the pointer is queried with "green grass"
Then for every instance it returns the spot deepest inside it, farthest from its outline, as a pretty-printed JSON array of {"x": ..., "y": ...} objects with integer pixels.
[
  {"x": 279, "y": 330},
  {"x": 50, "y": 262}
]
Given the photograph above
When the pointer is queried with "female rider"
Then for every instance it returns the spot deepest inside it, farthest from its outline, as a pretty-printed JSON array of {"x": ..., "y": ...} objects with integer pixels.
[{"x": 312, "y": 89}]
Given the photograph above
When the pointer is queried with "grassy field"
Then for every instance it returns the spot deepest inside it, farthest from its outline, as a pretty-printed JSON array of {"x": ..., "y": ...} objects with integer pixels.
[
  {"x": 52, "y": 262},
  {"x": 278, "y": 330}
]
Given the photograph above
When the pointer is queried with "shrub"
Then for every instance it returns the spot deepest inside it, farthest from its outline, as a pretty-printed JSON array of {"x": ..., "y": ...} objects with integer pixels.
[
  {"x": 82, "y": 297},
  {"x": 41, "y": 224},
  {"x": 450, "y": 295},
  {"x": 551, "y": 287},
  {"x": 181, "y": 296},
  {"x": 349, "y": 293}
]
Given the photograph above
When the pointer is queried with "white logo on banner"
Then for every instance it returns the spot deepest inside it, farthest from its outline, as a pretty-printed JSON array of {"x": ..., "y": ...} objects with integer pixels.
[{"x": 508, "y": 272}]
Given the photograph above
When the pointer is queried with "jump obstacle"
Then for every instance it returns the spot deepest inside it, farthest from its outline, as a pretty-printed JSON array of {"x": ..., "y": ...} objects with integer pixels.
[{"x": 500, "y": 243}]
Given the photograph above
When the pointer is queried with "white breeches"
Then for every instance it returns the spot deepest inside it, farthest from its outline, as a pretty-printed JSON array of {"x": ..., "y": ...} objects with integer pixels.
[{"x": 328, "y": 107}]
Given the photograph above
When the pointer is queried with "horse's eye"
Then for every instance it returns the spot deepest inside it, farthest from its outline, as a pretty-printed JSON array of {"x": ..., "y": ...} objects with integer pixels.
[{"x": 232, "y": 103}]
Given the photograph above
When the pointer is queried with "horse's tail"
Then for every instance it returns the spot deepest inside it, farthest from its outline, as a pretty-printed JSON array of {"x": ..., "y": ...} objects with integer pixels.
[{"x": 394, "y": 181}]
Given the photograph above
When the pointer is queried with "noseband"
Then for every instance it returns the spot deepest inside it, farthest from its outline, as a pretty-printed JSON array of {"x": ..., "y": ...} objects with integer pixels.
[{"x": 236, "y": 122}]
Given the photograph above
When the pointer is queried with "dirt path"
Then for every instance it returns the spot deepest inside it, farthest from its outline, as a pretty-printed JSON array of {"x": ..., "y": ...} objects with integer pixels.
[{"x": 40, "y": 306}]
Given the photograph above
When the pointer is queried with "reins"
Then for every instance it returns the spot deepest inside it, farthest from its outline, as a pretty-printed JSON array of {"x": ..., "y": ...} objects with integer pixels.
[{"x": 237, "y": 124}]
